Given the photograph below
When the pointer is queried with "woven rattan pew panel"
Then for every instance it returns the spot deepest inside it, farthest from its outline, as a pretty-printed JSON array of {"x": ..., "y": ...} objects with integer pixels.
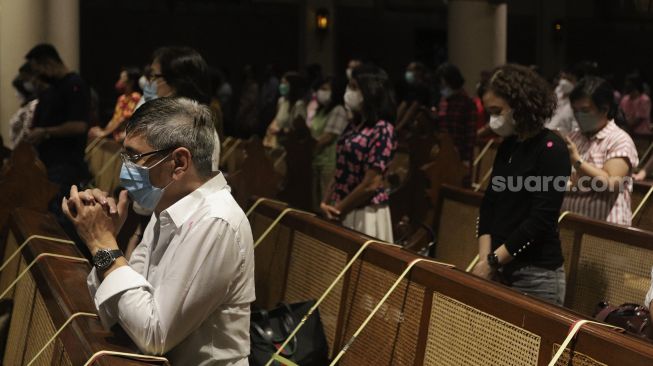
[
  {"x": 457, "y": 242},
  {"x": 24, "y": 298},
  {"x": 462, "y": 335},
  {"x": 313, "y": 267},
  {"x": 10, "y": 272},
  {"x": 270, "y": 258},
  {"x": 579, "y": 359},
  {"x": 390, "y": 337},
  {"x": 31, "y": 327},
  {"x": 609, "y": 270},
  {"x": 567, "y": 245}
]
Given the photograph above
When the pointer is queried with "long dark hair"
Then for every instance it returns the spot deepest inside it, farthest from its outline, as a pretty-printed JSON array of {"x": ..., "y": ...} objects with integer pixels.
[
  {"x": 378, "y": 94},
  {"x": 185, "y": 70},
  {"x": 133, "y": 74},
  {"x": 297, "y": 84}
]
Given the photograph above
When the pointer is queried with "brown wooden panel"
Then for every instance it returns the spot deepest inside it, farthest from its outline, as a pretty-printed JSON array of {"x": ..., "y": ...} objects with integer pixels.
[
  {"x": 62, "y": 286},
  {"x": 488, "y": 300}
]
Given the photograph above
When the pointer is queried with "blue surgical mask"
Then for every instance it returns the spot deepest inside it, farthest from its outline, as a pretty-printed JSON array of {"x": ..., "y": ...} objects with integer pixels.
[
  {"x": 136, "y": 180},
  {"x": 149, "y": 89},
  {"x": 284, "y": 89},
  {"x": 446, "y": 92},
  {"x": 410, "y": 77}
]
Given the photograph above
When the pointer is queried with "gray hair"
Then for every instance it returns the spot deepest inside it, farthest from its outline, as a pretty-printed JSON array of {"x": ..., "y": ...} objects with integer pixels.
[{"x": 177, "y": 122}]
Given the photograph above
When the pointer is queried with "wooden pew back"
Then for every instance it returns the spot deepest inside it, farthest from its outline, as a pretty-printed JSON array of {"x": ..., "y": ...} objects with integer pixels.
[
  {"x": 455, "y": 224},
  {"x": 605, "y": 262},
  {"x": 48, "y": 295},
  {"x": 104, "y": 165},
  {"x": 437, "y": 315}
]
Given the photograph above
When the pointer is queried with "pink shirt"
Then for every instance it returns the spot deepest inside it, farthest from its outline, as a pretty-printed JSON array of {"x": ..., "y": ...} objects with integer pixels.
[
  {"x": 638, "y": 109},
  {"x": 609, "y": 143}
]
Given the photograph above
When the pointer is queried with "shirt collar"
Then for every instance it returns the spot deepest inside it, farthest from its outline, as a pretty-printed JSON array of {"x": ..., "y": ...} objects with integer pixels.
[
  {"x": 605, "y": 131},
  {"x": 181, "y": 210}
]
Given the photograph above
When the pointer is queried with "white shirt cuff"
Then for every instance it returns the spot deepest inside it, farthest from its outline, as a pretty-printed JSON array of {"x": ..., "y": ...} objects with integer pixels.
[
  {"x": 118, "y": 281},
  {"x": 649, "y": 295}
]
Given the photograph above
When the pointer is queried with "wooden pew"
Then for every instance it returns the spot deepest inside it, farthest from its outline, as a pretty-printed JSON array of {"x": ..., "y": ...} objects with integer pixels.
[
  {"x": 483, "y": 161},
  {"x": 604, "y": 262},
  {"x": 298, "y": 146},
  {"x": 44, "y": 299},
  {"x": 436, "y": 316},
  {"x": 24, "y": 183},
  {"x": 256, "y": 176},
  {"x": 642, "y": 219},
  {"x": 104, "y": 165},
  {"x": 455, "y": 225}
]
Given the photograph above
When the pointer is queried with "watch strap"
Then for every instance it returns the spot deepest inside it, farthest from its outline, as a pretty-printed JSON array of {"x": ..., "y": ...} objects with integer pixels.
[
  {"x": 493, "y": 260},
  {"x": 578, "y": 163}
]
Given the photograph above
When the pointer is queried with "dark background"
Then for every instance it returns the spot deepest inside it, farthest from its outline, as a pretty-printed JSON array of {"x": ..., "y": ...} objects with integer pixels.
[{"x": 232, "y": 33}]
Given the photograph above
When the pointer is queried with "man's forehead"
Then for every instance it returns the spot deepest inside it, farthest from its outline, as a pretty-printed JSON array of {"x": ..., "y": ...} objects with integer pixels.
[{"x": 136, "y": 143}]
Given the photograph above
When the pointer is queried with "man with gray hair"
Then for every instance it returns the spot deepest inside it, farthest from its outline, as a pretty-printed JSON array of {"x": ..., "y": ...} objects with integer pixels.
[{"x": 186, "y": 290}]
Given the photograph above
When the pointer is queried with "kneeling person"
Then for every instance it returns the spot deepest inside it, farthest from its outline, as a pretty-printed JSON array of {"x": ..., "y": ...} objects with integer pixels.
[{"x": 186, "y": 290}]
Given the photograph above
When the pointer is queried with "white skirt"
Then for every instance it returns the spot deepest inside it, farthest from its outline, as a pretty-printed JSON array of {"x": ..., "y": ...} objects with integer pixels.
[{"x": 371, "y": 220}]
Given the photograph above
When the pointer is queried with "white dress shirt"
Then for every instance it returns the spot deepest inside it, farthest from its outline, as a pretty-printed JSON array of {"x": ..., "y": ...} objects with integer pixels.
[{"x": 189, "y": 284}]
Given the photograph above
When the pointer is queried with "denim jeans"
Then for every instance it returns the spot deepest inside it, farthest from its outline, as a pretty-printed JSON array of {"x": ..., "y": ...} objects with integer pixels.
[{"x": 546, "y": 284}]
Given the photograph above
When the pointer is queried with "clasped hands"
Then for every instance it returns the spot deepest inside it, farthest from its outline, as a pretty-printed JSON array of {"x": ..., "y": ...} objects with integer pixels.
[{"x": 97, "y": 217}]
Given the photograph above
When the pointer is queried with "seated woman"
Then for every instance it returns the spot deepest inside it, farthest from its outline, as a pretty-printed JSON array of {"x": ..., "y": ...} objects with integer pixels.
[
  {"x": 357, "y": 195},
  {"x": 603, "y": 156},
  {"x": 329, "y": 122},
  {"x": 128, "y": 88},
  {"x": 518, "y": 238}
]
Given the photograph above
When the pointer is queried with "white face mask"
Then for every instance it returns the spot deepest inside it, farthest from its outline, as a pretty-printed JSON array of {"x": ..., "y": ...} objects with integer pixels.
[
  {"x": 353, "y": 100},
  {"x": 564, "y": 88},
  {"x": 323, "y": 97},
  {"x": 503, "y": 125}
]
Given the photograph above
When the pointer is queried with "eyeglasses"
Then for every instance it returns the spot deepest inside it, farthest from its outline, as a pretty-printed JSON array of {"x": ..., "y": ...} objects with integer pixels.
[
  {"x": 128, "y": 157},
  {"x": 155, "y": 76}
]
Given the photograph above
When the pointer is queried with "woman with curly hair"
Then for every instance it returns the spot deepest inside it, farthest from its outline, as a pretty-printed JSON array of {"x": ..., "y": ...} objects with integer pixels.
[{"x": 517, "y": 229}]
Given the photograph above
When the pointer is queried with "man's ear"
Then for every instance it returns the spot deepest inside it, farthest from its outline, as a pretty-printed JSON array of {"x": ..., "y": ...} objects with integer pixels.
[{"x": 182, "y": 159}]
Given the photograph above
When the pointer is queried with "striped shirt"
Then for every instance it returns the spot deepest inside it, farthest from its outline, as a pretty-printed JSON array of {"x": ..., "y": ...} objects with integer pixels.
[{"x": 609, "y": 143}]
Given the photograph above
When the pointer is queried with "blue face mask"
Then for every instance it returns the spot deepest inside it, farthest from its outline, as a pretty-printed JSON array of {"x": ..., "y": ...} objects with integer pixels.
[
  {"x": 284, "y": 89},
  {"x": 446, "y": 92},
  {"x": 149, "y": 90},
  {"x": 136, "y": 180},
  {"x": 409, "y": 76}
]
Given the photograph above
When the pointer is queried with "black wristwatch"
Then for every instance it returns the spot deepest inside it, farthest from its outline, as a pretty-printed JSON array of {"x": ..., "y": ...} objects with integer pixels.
[
  {"x": 578, "y": 163},
  {"x": 493, "y": 261},
  {"x": 104, "y": 258}
]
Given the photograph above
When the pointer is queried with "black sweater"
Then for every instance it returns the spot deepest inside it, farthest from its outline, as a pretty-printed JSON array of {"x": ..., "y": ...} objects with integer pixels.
[{"x": 526, "y": 219}]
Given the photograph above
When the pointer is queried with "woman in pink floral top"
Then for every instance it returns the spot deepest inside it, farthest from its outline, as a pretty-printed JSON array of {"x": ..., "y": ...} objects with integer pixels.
[{"x": 358, "y": 196}]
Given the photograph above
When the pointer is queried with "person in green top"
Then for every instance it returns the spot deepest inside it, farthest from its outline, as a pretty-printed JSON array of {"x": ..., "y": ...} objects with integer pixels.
[{"x": 326, "y": 126}]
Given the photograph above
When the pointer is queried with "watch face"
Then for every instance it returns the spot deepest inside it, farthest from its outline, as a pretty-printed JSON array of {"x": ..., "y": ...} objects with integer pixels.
[{"x": 102, "y": 259}]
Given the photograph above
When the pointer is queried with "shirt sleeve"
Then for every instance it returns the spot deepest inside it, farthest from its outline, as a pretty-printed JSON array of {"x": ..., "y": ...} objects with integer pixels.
[
  {"x": 623, "y": 147},
  {"x": 649, "y": 295},
  {"x": 486, "y": 211},
  {"x": 191, "y": 290},
  {"x": 382, "y": 146},
  {"x": 545, "y": 204},
  {"x": 337, "y": 121}
]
